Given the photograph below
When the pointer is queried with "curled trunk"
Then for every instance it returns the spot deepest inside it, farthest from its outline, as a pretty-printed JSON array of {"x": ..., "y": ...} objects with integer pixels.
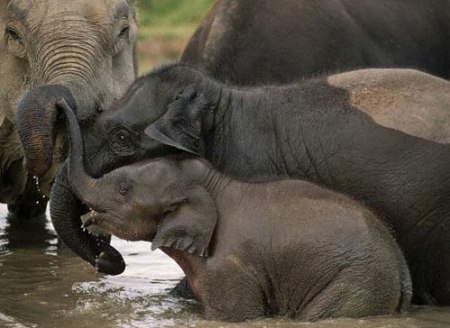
[{"x": 66, "y": 209}]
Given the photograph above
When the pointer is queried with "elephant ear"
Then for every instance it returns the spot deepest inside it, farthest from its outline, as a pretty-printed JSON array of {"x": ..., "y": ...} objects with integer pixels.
[
  {"x": 181, "y": 125},
  {"x": 189, "y": 224}
]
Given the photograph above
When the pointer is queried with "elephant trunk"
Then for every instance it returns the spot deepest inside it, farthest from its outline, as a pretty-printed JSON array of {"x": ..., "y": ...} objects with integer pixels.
[
  {"x": 37, "y": 109},
  {"x": 65, "y": 212},
  {"x": 69, "y": 227},
  {"x": 82, "y": 184},
  {"x": 64, "y": 70}
]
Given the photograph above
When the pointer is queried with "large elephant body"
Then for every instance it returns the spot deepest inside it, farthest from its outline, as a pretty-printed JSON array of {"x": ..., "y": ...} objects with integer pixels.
[
  {"x": 260, "y": 41},
  {"x": 82, "y": 51},
  {"x": 314, "y": 130}
]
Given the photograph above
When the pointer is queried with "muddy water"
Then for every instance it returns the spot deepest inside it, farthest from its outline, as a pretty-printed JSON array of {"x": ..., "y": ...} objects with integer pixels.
[{"x": 43, "y": 285}]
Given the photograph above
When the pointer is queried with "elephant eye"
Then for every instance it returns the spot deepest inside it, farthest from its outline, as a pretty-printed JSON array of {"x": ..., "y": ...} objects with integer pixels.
[
  {"x": 123, "y": 188},
  {"x": 12, "y": 33},
  {"x": 124, "y": 31},
  {"x": 122, "y": 143},
  {"x": 15, "y": 42}
]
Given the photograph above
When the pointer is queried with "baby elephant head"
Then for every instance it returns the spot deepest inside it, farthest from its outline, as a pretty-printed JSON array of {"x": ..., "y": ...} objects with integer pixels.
[{"x": 161, "y": 201}]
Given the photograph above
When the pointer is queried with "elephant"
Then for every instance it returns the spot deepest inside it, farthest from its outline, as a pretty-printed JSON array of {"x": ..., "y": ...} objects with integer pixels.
[
  {"x": 249, "y": 42},
  {"x": 253, "y": 42},
  {"x": 249, "y": 250},
  {"x": 316, "y": 130},
  {"x": 82, "y": 51}
]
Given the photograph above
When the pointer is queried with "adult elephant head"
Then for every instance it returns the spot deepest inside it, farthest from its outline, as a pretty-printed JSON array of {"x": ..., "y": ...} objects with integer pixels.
[{"x": 82, "y": 51}]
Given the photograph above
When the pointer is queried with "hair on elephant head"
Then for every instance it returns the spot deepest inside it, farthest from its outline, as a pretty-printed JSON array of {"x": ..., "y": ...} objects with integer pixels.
[{"x": 82, "y": 51}]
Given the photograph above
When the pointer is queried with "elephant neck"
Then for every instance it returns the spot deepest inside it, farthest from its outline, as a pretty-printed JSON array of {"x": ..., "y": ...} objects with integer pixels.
[{"x": 217, "y": 184}]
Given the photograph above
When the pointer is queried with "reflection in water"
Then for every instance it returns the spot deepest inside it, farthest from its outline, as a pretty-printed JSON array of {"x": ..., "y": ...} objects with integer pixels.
[{"x": 44, "y": 285}]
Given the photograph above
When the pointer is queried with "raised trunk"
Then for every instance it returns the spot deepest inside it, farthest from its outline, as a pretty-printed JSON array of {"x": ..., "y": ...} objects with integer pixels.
[
  {"x": 66, "y": 208},
  {"x": 82, "y": 184}
]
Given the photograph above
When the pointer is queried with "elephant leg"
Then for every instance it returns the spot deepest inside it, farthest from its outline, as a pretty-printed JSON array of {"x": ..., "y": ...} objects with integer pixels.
[
  {"x": 231, "y": 292},
  {"x": 353, "y": 293},
  {"x": 183, "y": 290},
  {"x": 30, "y": 203},
  {"x": 239, "y": 301},
  {"x": 430, "y": 269}
]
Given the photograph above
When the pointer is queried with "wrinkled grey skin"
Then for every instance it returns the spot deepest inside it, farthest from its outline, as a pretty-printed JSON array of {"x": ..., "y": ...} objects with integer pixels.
[
  {"x": 406, "y": 100},
  {"x": 249, "y": 250},
  {"x": 259, "y": 41},
  {"x": 315, "y": 130},
  {"x": 80, "y": 50}
]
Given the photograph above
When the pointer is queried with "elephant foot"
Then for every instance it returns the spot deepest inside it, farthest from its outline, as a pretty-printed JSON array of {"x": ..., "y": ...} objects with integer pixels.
[{"x": 182, "y": 290}]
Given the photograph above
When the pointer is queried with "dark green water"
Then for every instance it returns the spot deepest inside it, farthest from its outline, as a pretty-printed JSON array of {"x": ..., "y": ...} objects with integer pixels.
[{"x": 42, "y": 285}]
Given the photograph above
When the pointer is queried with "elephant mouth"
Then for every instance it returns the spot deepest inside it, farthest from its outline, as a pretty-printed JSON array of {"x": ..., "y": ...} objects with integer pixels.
[
  {"x": 113, "y": 224},
  {"x": 96, "y": 218}
]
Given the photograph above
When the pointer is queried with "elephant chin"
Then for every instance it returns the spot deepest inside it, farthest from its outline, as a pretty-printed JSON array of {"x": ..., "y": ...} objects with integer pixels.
[{"x": 65, "y": 212}]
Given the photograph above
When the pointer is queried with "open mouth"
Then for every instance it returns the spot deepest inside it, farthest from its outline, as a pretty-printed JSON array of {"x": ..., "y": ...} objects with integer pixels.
[
  {"x": 104, "y": 223},
  {"x": 109, "y": 223},
  {"x": 99, "y": 219}
]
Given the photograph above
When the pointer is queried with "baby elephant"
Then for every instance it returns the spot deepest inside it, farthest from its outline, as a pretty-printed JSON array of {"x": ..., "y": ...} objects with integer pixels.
[{"x": 249, "y": 250}]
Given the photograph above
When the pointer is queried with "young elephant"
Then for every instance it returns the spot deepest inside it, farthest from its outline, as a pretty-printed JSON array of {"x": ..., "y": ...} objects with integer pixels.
[{"x": 248, "y": 250}]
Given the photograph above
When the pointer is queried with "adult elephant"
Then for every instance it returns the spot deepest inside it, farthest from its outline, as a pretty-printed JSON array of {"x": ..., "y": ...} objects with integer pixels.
[
  {"x": 316, "y": 130},
  {"x": 259, "y": 41},
  {"x": 82, "y": 51}
]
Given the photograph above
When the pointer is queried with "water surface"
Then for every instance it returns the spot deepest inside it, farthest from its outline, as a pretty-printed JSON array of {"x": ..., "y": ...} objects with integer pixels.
[{"x": 45, "y": 285}]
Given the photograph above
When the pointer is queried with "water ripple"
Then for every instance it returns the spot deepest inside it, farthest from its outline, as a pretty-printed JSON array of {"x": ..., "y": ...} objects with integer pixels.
[{"x": 46, "y": 285}]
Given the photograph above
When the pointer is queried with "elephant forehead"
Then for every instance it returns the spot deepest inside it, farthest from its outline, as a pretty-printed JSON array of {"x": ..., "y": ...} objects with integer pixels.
[
  {"x": 156, "y": 169},
  {"x": 86, "y": 8},
  {"x": 19, "y": 7},
  {"x": 151, "y": 173}
]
